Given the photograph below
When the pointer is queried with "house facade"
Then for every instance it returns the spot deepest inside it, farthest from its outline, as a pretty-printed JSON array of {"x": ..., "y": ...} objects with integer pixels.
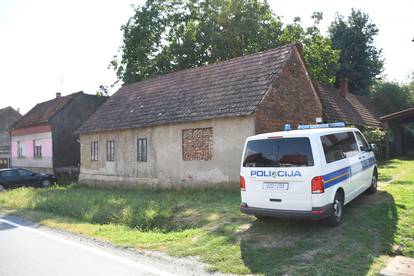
[
  {"x": 188, "y": 128},
  {"x": 8, "y": 116},
  {"x": 43, "y": 140}
]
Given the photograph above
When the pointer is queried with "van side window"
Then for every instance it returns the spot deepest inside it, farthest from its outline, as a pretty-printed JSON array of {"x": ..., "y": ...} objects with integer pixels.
[
  {"x": 362, "y": 142},
  {"x": 339, "y": 146}
]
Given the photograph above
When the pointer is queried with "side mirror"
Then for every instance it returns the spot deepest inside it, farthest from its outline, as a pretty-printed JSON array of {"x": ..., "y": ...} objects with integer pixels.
[{"x": 373, "y": 146}]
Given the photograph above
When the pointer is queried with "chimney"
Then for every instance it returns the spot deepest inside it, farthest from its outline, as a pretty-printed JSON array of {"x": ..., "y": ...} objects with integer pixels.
[
  {"x": 58, "y": 94},
  {"x": 344, "y": 87},
  {"x": 18, "y": 110}
]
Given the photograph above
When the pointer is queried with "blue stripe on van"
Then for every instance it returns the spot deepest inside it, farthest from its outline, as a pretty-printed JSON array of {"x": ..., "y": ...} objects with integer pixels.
[{"x": 343, "y": 174}]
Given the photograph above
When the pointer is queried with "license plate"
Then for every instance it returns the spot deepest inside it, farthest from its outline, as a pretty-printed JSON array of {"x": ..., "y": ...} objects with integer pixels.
[{"x": 275, "y": 186}]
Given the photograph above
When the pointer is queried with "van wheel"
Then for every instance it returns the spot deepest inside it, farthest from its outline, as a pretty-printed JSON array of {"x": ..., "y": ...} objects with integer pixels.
[
  {"x": 338, "y": 211},
  {"x": 2, "y": 188},
  {"x": 374, "y": 183}
]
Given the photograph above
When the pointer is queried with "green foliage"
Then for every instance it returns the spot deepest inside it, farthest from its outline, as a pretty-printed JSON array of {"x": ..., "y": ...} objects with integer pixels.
[
  {"x": 390, "y": 97},
  {"x": 376, "y": 136},
  {"x": 165, "y": 36},
  {"x": 317, "y": 49},
  {"x": 360, "y": 61}
]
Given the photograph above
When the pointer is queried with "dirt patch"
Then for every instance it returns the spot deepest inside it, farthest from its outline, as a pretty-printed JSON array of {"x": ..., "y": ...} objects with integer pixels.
[{"x": 399, "y": 266}]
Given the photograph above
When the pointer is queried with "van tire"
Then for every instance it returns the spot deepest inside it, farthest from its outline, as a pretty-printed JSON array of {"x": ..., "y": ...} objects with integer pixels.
[
  {"x": 374, "y": 184},
  {"x": 2, "y": 188},
  {"x": 337, "y": 210}
]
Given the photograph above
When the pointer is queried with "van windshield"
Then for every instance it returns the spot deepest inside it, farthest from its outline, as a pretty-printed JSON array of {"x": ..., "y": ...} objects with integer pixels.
[{"x": 282, "y": 152}]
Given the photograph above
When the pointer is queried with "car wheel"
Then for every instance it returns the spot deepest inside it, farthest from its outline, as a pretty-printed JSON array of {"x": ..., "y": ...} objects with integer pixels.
[
  {"x": 2, "y": 188},
  {"x": 46, "y": 183},
  {"x": 337, "y": 211},
  {"x": 374, "y": 183}
]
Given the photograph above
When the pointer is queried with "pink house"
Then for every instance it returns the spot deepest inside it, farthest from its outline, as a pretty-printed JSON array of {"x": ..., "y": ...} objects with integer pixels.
[{"x": 43, "y": 140}]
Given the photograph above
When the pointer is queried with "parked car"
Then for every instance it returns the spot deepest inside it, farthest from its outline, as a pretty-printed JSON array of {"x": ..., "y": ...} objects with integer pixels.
[
  {"x": 15, "y": 177},
  {"x": 310, "y": 172}
]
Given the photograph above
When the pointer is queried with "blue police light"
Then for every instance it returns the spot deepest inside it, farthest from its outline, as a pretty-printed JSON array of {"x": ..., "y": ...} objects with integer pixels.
[
  {"x": 338, "y": 124},
  {"x": 287, "y": 127}
]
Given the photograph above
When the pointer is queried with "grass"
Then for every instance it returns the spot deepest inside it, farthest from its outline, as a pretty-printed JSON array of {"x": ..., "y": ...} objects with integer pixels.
[{"x": 208, "y": 224}]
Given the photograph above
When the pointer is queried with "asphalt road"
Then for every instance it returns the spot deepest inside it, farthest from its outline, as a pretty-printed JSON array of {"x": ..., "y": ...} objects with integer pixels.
[{"x": 26, "y": 249}]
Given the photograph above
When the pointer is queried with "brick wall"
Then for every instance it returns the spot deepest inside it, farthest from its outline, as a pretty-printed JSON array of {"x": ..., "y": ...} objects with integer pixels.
[
  {"x": 291, "y": 99},
  {"x": 197, "y": 144}
]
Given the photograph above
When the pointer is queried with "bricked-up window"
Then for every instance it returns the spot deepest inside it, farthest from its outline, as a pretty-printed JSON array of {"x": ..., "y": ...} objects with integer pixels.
[
  {"x": 110, "y": 150},
  {"x": 142, "y": 149},
  {"x": 94, "y": 151},
  {"x": 197, "y": 144}
]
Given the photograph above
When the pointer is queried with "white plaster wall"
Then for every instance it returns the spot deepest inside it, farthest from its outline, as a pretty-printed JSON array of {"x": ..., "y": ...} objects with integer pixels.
[{"x": 165, "y": 166}]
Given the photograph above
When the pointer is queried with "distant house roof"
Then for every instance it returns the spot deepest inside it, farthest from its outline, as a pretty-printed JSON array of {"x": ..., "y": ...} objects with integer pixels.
[
  {"x": 8, "y": 116},
  {"x": 43, "y": 112},
  {"x": 402, "y": 116},
  {"x": 224, "y": 89},
  {"x": 353, "y": 109}
]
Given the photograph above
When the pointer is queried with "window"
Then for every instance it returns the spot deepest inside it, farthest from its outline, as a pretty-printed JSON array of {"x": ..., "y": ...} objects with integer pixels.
[
  {"x": 339, "y": 146},
  {"x": 8, "y": 173},
  {"x": 37, "y": 149},
  {"x": 283, "y": 152},
  {"x": 20, "y": 150},
  {"x": 142, "y": 150},
  {"x": 197, "y": 144},
  {"x": 24, "y": 172},
  {"x": 361, "y": 141},
  {"x": 94, "y": 151},
  {"x": 110, "y": 150}
]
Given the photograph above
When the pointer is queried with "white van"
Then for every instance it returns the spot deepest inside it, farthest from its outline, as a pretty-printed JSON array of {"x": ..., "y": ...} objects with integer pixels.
[{"x": 310, "y": 172}]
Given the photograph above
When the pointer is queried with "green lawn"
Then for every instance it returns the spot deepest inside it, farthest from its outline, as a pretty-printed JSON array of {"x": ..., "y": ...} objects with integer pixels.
[{"x": 208, "y": 224}]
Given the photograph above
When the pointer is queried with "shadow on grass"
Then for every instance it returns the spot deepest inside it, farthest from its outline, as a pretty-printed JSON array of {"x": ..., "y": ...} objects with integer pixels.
[{"x": 275, "y": 247}]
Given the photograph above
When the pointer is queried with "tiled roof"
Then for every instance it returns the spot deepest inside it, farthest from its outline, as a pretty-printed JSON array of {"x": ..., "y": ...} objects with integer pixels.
[
  {"x": 7, "y": 117},
  {"x": 353, "y": 109},
  {"x": 43, "y": 112},
  {"x": 224, "y": 89}
]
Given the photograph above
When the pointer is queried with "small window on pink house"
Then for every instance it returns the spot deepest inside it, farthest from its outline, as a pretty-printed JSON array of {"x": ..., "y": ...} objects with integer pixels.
[
  {"x": 37, "y": 149},
  {"x": 20, "y": 150}
]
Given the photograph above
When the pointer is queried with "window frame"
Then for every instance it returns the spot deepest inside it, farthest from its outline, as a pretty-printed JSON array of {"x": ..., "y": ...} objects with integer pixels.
[
  {"x": 94, "y": 151},
  {"x": 360, "y": 146},
  {"x": 20, "y": 150},
  {"x": 142, "y": 149},
  {"x": 110, "y": 150},
  {"x": 326, "y": 154}
]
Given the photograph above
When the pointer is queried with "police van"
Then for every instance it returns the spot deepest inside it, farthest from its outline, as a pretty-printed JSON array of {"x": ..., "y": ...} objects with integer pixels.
[{"x": 311, "y": 172}]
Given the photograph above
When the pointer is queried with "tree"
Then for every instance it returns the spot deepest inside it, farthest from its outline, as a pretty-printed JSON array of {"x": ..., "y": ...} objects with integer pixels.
[
  {"x": 317, "y": 49},
  {"x": 165, "y": 36},
  {"x": 391, "y": 97},
  {"x": 360, "y": 61}
]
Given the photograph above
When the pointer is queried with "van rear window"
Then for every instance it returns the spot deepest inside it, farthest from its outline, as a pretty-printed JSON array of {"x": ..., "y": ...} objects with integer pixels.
[{"x": 283, "y": 152}]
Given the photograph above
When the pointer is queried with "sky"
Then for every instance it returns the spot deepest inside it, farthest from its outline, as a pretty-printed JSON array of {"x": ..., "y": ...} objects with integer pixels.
[{"x": 49, "y": 46}]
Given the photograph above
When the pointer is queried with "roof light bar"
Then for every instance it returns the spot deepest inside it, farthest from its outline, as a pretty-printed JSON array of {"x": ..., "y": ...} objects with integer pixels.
[{"x": 338, "y": 124}]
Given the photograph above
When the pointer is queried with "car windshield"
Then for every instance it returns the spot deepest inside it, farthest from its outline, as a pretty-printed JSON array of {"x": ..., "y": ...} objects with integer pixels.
[{"x": 282, "y": 152}]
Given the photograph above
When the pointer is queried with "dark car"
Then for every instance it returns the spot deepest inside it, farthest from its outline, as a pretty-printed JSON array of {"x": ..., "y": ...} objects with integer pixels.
[{"x": 13, "y": 178}]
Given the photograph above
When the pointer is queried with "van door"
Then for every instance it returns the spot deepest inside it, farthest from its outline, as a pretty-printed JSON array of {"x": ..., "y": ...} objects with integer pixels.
[
  {"x": 341, "y": 154},
  {"x": 277, "y": 173},
  {"x": 366, "y": 158}
]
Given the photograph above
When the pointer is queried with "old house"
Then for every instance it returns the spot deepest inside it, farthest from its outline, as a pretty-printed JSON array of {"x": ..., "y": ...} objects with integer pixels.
[
  {"x": 189, "y": 127},
  {"x": 8, "y": 116},
  {"x": 341, "y": 105},
  {"x": 43, "y": 140}
]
